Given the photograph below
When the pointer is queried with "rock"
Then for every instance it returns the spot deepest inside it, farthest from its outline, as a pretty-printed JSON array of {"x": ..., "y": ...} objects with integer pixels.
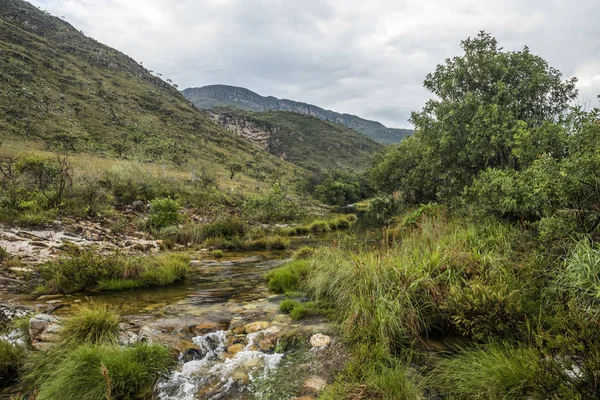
[
  {"x": 320, "y": 340},
  {"x": 43, "y": 330},
  {"x": 207, "y": 327},
  {"x": 256, "y": 326},
  {"x": 268, "y": 343},
  {"x": 235, "y": 348},
  {"x": 50, "y": 296},
  {"x": 314, "y": 384}
]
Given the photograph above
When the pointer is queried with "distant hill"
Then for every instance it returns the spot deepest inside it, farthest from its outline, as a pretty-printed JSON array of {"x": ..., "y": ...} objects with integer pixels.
[
  {"x": 304, "y": 140},
  {"x": 223, "y": 95},
  {"x": 71, "y": 92}
]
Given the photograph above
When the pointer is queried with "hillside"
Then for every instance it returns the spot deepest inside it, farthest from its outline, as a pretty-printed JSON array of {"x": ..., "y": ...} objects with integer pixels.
[
  {"x": 67, "y": 91},
  {"x": 223, "y": 95},
  {"x": 304, "y": 140}
]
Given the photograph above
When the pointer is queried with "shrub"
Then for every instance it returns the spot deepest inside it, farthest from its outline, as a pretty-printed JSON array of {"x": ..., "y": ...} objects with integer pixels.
[
  {"x": 163, "y": 212},
  {"x": 93, "y": 323},
  {"x": 490, "y": 372},
  {"x": 288, "y": 305},
  {"x": 287, "y": 278}
]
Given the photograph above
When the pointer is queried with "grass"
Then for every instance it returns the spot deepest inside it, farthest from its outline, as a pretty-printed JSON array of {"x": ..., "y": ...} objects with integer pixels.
[
  {"x": 298, "y": 310},
  {"x": 93, "y": 323},
  {"x": 217, "y": 253},
  {"x": 304, "y": 253},
  {"x": 492, "y": 371},
  {"x": 287, "y": 278},
  {"x": 11, "y": 361},
  {"x": 87, "y": 364},
  {"x": 129, "y": 372},
  {"x": 89, "y": 270}
]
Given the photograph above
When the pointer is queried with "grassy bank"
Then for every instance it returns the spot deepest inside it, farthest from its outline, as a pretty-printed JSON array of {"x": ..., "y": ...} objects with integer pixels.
[
  {"x": 84, "y": 270},
  {"x": 529, "y": 315}
]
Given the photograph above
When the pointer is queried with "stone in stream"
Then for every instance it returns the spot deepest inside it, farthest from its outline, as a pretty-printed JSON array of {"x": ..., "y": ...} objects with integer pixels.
[
  {"x": 320, "y": 340},
  {"x": 256, "y": 326},
  {"x": 43, "y": 331}
]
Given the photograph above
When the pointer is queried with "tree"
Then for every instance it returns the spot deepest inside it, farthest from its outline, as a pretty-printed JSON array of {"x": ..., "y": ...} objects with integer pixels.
[
  {"x": 234, "y": 168},
  {"x": 488, "y": 102}
]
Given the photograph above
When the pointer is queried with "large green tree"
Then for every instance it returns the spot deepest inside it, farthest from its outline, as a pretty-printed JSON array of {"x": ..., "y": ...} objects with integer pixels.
[{"x": 492, "y": 109}]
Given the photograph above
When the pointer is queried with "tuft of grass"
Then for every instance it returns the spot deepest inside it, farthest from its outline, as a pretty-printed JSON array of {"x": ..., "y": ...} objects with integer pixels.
[
  {"x": 304, "y": 253},
  {"x": 131, "y": 372},
  {"x": 217, "y": 253},
  {"x": 11, "y": 361},
  {"x": 287, "y": 278},
  {"x": 492, "y": 371},
  {"x": 319, "y": 226},
  {"x": 89, "y": 270},
  {"x": 288, "y": 305},
  {"x": 278, "y": 243},
  {"x": 92, "y": 323}
]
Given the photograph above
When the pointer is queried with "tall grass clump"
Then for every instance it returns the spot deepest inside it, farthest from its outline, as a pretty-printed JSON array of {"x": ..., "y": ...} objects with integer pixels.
[
  {"x": 492, "y": 372},
  {"x": 11, "y": 360},
  {"x": 289, "y": 277},
  {"x": 92, "y": 323},
  {"x": 129, "y": 373},
  {"x": 581, "y": 272},
  {"x": 372, "y": 373}
]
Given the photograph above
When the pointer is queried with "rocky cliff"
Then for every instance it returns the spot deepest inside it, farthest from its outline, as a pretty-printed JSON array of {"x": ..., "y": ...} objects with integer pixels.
[{"x": 223, "y": 95}]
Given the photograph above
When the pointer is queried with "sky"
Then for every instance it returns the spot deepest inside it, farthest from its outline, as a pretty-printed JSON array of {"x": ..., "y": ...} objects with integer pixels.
[{"x": 363, "y": 57}]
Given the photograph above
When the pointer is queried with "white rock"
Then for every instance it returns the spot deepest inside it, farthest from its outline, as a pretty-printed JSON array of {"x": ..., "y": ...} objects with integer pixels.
[{"x": 320, "y": 340}]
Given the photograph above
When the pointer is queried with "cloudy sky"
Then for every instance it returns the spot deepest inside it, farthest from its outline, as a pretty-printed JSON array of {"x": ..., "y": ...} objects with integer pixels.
[{"x": 364, "y": 57}]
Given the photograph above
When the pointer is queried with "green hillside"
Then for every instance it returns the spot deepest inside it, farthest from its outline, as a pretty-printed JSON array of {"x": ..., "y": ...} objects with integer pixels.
[
  {"x": 307, "y": 141},
  {"x": 67, "y": 91}
]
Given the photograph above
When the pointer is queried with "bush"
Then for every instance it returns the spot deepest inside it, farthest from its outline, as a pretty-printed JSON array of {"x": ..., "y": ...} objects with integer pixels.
[
  {"x": 287, "y": 278},
  {"x": 489, "y": 372},
  {"x": 288, "y": 305},
  {"x": 163, "y": 212},
  {"x": 93, "y": 323}
]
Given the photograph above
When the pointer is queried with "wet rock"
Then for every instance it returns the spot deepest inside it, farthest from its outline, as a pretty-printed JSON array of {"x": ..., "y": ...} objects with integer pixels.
[
  {"x": 268, "y": 343},
  {"x": 43, "y": 331},
  {"x": 256, "y": 326},
  {"x": 320, "y": 340},
  {"x": 314, "y": 384},
  {"x": 50, "y": 296},
  {"x": 207, "y": 327},
  {"x": 235, "y": 348}
]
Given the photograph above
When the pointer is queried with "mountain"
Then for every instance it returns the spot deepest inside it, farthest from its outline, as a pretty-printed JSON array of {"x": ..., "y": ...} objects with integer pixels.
[
  {"x": 68, "y": 91},
  {"x": 223, "y": 95},
  {"x": 304, "y": 140}
]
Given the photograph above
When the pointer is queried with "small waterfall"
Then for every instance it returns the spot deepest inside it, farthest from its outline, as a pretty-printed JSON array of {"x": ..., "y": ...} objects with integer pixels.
[{"x": 213, "y": 375}]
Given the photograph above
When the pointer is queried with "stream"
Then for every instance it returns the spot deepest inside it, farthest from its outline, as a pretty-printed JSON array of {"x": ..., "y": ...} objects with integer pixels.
[{"x": 223, "y": 323}]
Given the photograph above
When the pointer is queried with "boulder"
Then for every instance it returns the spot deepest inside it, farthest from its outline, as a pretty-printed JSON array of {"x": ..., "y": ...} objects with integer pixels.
[
  {"x": 314, "y": 384},
  {"x": 256, "y": 326},
  {"x": 320, "y": 340},
  {"x": 43, "y": 331}
]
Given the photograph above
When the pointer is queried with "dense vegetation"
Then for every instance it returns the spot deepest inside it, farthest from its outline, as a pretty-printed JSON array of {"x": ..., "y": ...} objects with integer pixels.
[
  {"x": 504, "y": 253},
  {"x": 308, "y": 141}
]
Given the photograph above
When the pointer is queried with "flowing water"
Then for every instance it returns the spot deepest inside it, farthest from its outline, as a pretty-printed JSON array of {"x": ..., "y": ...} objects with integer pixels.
[{"x": 215, "y": 293}]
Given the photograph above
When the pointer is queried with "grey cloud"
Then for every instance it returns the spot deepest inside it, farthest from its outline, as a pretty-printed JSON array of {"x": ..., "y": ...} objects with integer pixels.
[{"x": 367, "y": 58}]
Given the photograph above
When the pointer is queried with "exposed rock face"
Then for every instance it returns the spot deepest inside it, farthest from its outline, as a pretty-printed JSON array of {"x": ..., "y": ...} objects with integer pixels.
[
  {"x": 248, "y": 129},
  {"x": 223, "y": 95}
]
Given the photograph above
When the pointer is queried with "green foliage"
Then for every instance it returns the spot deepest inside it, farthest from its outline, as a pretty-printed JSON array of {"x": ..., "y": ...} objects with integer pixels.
[
  {"x": 304, "y": 253},
  {"x": 217, "y": 253},
  {"x": 88, "y": 270},
  {"x": 163, "y": 212},
  {"x": 287, "y": 278},
  {"x": 342, "y": 188},
  {"x": 130, "y": 371},
  {"x": 490, "y": 372},
  {"x": 273, "y": 207},
  {"x": 11, "y": 361},
  {"x": 92, "y": 323}
]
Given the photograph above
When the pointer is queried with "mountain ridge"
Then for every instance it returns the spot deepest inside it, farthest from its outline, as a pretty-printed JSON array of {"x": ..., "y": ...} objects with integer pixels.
[{"x": 212, "y": 96}]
